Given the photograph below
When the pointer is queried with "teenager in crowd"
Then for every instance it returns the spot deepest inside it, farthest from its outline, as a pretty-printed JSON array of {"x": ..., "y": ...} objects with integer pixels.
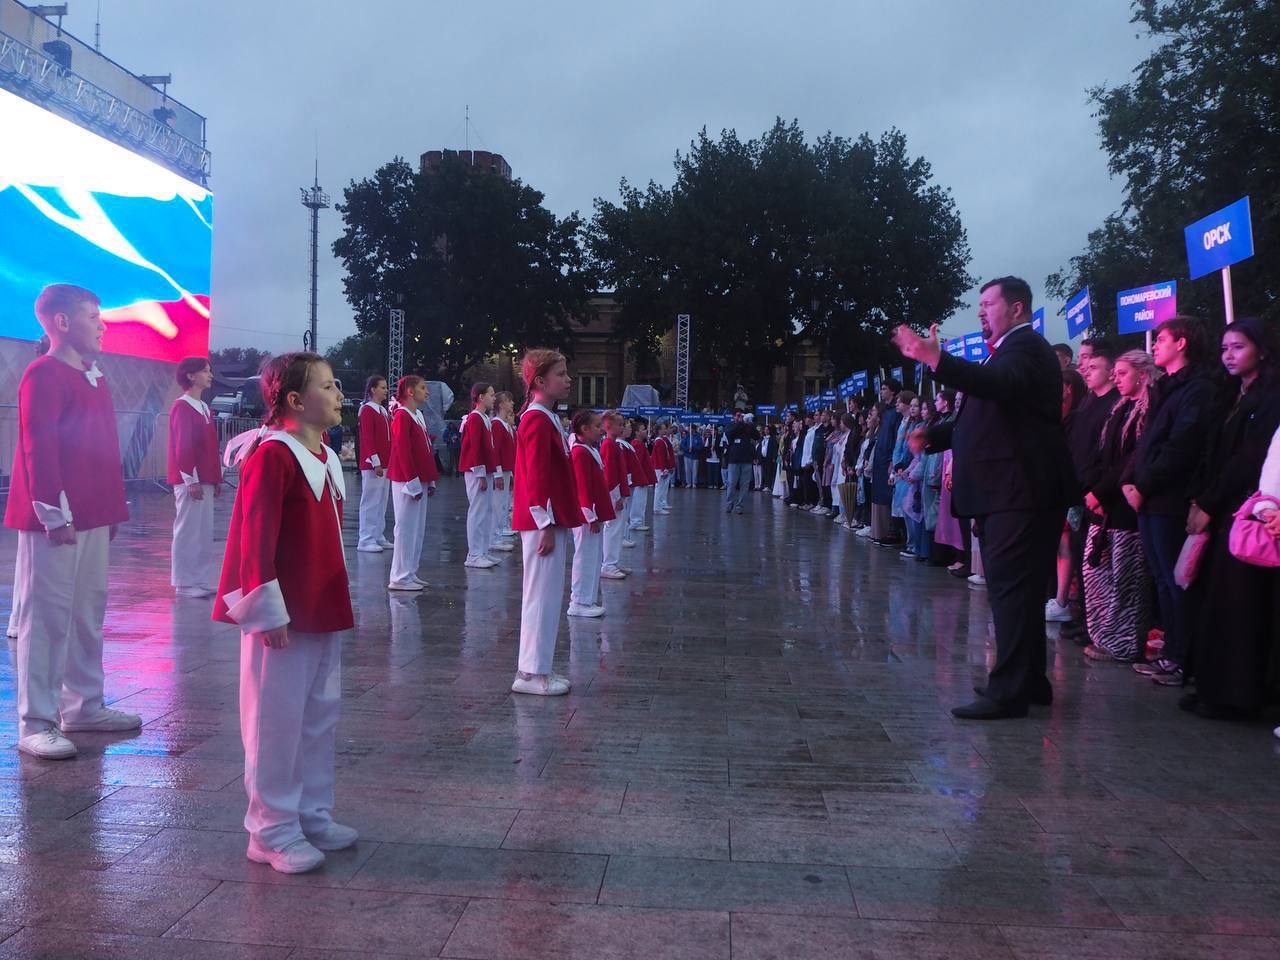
[
  {"x": 195, "y": 471},
  {"x": 882, "y": 465}
]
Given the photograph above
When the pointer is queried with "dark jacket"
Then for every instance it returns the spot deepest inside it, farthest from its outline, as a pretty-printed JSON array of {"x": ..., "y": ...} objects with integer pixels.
[
  {"x": 1009, "y": 451},
  {"x": 742, "y": 443},
  {"x": 1104, "y": 474},
  {"x": 886, "y": 437},
  {"x": 1084, "y": 431},
  {"x": 1233, "y": 463},
  {"x": 1173, "y": 444}
]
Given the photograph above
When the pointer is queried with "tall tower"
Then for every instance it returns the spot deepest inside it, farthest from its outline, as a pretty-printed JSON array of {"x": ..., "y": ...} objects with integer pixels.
[{"x": 315, "y": 200}]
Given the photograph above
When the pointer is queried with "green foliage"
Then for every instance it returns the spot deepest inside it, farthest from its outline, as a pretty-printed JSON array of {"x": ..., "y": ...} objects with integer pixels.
[
  {"x": 476, "y": 262},
  {"x": 1196, "y": 128},
  {"x": 250, "y": 357},
  {"x": 772, "y": 240}
]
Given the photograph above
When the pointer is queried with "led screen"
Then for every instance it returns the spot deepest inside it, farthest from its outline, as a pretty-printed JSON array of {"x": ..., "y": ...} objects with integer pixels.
[{"x": 75, "y": 208}]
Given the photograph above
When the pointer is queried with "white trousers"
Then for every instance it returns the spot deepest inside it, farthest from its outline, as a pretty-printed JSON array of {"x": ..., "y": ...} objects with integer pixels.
[
  {"x": 374, "y": 492},
  {"x": 62, "y": 599},
  {"x": 14, "y": 603},
  {"x": 411, "y": 529},
  {"x": 588, "y": 554},
  {"x": 479, "y": 517},
  {"x": 193, "y": 562},
  {"x": 757, "y": 473},
  {"x": 502, "y": 514},
  {"x": 612, "y": 536},
  {"x": 540, "y": 603},
  {"x": 289, "y": 704},
  {"x": 639, "y": 506},
  {"x": 662, "y": 499}
]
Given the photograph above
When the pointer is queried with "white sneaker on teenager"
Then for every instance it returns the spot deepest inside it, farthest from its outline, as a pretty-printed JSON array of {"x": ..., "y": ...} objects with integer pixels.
[
  {"x": 1054, "y": 612},
  {"x": 408, "y": 585},
  {"x": 47, "y": 745},
  {"x": 335, "y": 836},
  {"x": 480, "y": 563},
  {"x": 643, "y": 528},
  {"x": 612, "y": 573},
  {"x": 370, "y": 548},
  {"x": 385, "y": 543},
  {"x": 628, "y": 543},
  {"x": 503, "y": 545},
  {"x": 298, "y": 857},
  {"x": 105, "y": 720},
  {"x": 977, "y": 580},
  {"x": 583, "y": 610},
  {"x": 863, "y": 531},
  {"x": 544, "y": 686}
]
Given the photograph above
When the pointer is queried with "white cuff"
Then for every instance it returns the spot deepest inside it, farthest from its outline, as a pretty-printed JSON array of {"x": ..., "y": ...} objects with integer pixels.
[
  {"x": 479, "y": 470},
  {"x": 262, "y": 609},
  {"x": 542, "y": 516},
  {"x": 615, "y": 494},
  {"x": 51, "y": 517},
  {"x": 630, "y": 481},
  {"x": 589, "y": 515},
  {"x": 374, "y": 461},
  {"x": 191, "y": 479},
  {"x": 1264, "y": 505},
  {"x": 414, "y": 487},
  {"x": 431, "y": 485}
]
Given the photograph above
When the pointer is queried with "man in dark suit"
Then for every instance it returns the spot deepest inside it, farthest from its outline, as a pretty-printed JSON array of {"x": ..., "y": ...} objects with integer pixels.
[{"x": 1013, "y": 474}]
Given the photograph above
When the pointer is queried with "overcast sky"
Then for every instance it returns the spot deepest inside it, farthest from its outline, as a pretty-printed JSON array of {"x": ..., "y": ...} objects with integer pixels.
[{"x": 577, "y": 95}]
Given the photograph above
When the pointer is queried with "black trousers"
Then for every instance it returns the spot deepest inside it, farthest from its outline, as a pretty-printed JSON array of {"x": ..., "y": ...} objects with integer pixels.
[{"x": 1019, "y": 554}]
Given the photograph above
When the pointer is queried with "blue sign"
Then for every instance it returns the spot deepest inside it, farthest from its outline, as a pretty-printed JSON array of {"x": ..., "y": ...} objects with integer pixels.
[
  {"x": 1145, "y": 308},
  {"x": 690, "y": 418},
  {"x": 1220, "y": 239},
  {"x": 629, "y": 411},
  {"x": 975, "y": 348},
  {"x": 767, "y": 409},
  {"x": 1037, "y": 321},
  {"x": 1079, "y": 314},
  {"x": 650, "y": 411},
  {"x": 919, "y": 373},
  {"x": 859, "y": 381},
  {"x": 810, "y": 403},
  {"x": 828, "y": 396},
  {"x": 955, "y": 347},
  {"x": 876, "y": 383},
  {"x": 895, "y": 373}
]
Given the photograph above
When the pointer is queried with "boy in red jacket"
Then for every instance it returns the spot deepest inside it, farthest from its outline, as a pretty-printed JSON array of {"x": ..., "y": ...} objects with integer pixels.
[
  {"x": 645, "y": 476},
  {"x": 195, "y": 472},
  {"x": 585, "y": 599},
  {"x": 664, "y": 465},
  {"x": 504, "y": 452},
  {"x": 615, "y": 478},
  {"x": 66, "y": 499},
  {"x": 375, "y": 457},
  {"x": 478, "y": 464}
]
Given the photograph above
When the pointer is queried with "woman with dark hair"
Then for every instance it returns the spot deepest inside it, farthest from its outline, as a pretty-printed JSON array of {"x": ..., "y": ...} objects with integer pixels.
[
  {"x": 1235, "y": 632},
  {"x": 195, "y": 473},
  {"x": 375, "y": 454}
]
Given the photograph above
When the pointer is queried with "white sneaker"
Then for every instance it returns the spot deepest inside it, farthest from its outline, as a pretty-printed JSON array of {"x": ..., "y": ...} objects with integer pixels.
[
  {"x": 411, "y": 585},
  {"x": 370, "y": 548},
  {"x": 628, "y": 543},
  {"x": 298, "y": 857},
  {"x": 480, "y": 563},
  {"x": 195, "y": 593},
  {"x": 420, "y": 580},
  {"x": 582, "y": 610},
  {"x": 627, "y": 570},
  {"x": 545, "y": 686},
  {"x": 612, "y": 573},
  {"x": 1054, "y": 612},
  {"x": 105, "y": 720},
  {"x": 504, "y": 545},
  {"x": 495, "y": 560},
  {"x": 977, "y": 580},
  {"x": 385, "y": 543},
  {"x": 48, "y": 745},
  {"x": 336, "y": 836},
  {"x": 863, "y": 532},
  {"x": 643, "y": 528}
]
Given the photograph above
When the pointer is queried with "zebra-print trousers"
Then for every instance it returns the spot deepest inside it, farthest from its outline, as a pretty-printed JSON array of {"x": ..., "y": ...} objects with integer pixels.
[{"x": 1117, "y": 594}]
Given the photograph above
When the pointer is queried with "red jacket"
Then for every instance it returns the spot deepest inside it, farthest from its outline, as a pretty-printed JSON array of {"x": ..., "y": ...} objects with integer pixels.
[
  {"x": 476, "y": 455},
  {"x": 411, "y": 456},
  {"x": 284, "y": 562},
  {"x": 646, "y": 465},
  {"x": 635, "y": 476},
  {"x": 375, "y": 436},
  {"x": 67, "y": 448},
  {"x": 193, "y": 444},
  {"x": 593, "y": 494},
  {"x": 504, "y": 444},
  {"x": 664, "y": 455},
  {"x": 615, "y": 465},
  {"x": 545, "y": 491}
]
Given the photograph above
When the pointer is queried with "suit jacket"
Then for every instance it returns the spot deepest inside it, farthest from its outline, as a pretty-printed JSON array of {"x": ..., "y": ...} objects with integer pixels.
[{"x": 1009, "y": 450}]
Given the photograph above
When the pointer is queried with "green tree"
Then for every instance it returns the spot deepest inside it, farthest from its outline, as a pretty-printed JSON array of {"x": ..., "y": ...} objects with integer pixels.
[
  {"x": 249, "y": 357},
  {"x": 774, "y": 240},
  {"x": 476, "y": 262},
  {"x": 1196, "y": 128}
]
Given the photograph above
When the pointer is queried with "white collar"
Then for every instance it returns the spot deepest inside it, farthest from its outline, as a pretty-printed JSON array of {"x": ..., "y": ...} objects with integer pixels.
[
  {"x": 377, "y": 406},
  {"x": 315, "y": 471},
  {"x": 590, "y": 449},
  {"x": 93, "y": 374},
  {"x": 197, "y": 405},
  {"x": 1005, "y": 336},
  {"x": 535, "y": 405}
]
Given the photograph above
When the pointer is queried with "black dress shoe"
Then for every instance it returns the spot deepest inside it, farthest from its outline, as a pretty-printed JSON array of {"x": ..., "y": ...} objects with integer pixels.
[
  {"x": 984, "y": 709},
  {"x": 963, "y": 573},
  {"x": 1041, "y": 698}
]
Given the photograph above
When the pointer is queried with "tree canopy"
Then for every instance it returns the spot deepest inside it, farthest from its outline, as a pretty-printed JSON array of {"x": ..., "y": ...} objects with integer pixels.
[
  {"x": 1196, "y": 128},
  {"x": 476, "y": 261},
  {"x": 771, "y": 240}
]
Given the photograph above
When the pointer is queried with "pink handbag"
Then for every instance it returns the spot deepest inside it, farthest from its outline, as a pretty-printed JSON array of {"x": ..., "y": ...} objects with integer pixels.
[{"x": 1249, "y": 540}]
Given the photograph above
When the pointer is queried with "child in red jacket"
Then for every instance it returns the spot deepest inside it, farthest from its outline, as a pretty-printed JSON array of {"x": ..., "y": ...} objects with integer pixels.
[
  {"x": 585, "y": 599},
  {"x": 195, "y": 471},
  {"x": 413, "y": 473},
  {"x": 614, "y": 458},
  {"x": 284, "y": 583},
  {"x": 545, "y": 510},
  {"x": 664, "y": 465},
  {"x": 504, "y": 453},
  {"x": 479, "y": 466},
  {"x": 375, "y": 457},
  {"x": 66, "y": 499},
  {"x": 645, "y": 476}
]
